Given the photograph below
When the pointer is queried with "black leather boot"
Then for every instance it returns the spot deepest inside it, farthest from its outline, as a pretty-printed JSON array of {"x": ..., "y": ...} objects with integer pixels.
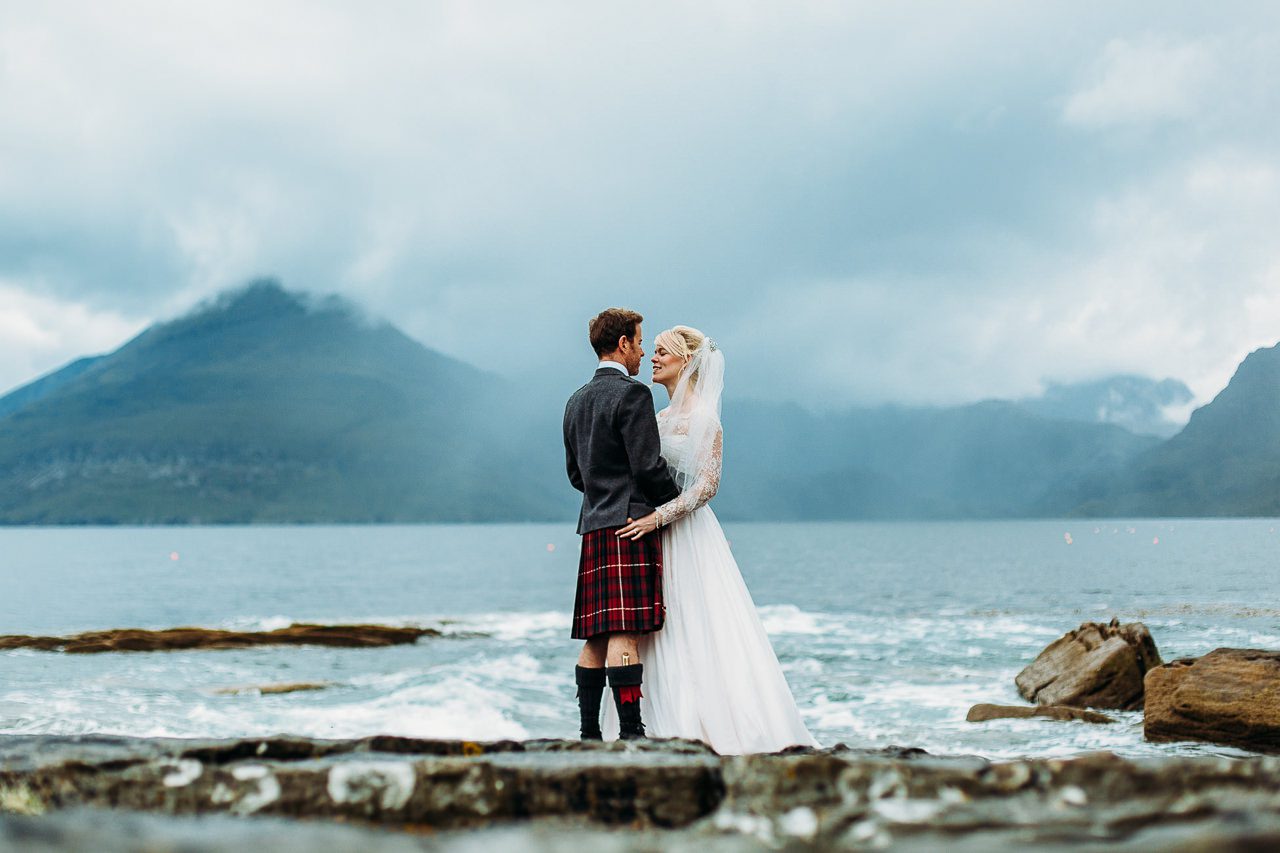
[
  {"x": 625, "y": 681},
  {"x": 590, "y": 691}
]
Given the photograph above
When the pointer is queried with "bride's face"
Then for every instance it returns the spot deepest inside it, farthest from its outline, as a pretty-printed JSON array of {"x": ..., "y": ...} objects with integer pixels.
[{"x": 666, "y": 366}]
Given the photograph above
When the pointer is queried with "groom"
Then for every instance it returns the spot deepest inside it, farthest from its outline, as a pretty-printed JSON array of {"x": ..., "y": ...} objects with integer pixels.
[{"x": 612, "y": 453}]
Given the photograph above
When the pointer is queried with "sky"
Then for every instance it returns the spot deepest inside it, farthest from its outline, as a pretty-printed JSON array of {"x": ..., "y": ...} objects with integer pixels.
[{"x": 863, "y": 202}]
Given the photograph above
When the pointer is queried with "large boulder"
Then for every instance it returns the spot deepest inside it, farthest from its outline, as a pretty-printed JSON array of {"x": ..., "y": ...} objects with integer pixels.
[
  {"x": 1229, "y": 696},
  {"x": 1094, "y": 666}
]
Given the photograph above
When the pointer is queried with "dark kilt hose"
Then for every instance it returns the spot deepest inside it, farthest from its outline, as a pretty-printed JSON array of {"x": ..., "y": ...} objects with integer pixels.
[{"x": 619, "y": 585}]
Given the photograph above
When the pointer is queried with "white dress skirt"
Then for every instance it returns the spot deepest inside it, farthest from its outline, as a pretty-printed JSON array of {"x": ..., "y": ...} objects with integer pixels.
[{"x": 710, "y": 673}]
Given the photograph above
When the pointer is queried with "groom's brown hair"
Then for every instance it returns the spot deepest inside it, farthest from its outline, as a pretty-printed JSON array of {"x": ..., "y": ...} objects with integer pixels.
[{"x": 611, "y": 324}]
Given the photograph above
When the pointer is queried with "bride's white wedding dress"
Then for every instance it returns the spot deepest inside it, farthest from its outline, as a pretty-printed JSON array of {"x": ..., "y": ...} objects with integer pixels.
[{"x": 710, "y": 674}]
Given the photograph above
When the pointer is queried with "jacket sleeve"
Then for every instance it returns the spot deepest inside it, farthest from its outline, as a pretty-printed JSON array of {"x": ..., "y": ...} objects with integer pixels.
[
  {"x": 639, "y": 427},
  {"x": 571, "y": 457}
]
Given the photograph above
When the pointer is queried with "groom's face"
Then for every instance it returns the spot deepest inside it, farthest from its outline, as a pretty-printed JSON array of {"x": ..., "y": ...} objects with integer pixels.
[{"x": 632, "y": 352}]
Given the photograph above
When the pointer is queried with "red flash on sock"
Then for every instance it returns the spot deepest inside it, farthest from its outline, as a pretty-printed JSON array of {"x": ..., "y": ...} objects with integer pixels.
[{"x": 629, "y": 694}]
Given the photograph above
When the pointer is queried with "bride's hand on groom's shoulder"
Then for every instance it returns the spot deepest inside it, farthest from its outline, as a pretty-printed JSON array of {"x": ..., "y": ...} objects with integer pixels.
[{"x": 639, "y": 527}]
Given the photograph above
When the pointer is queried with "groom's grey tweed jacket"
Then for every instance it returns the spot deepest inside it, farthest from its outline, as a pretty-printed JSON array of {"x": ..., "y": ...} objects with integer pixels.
[{"x": 613, "y": 453}]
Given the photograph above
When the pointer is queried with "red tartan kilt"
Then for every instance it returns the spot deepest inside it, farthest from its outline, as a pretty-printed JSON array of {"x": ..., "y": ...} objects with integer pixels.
[{"x": 619, "y": 585}]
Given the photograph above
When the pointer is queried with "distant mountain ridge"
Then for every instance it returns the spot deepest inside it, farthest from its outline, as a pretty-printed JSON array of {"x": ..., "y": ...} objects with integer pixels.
[
  {"x": 985, "y": 460},
  {"x": 268, "y": 406},
  {"x": 1226, "y": 462},
  {"x": 1138, "y": 404}
]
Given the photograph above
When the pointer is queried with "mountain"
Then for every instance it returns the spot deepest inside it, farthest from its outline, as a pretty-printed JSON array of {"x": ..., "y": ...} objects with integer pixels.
[
  {"x": 45, "y": 385},
  {"x": 265, "y": 405},
  {"x": 1137, "y": 403},
  {"x": 1226, "y": 462},
  {"x": 269, "y": 406}
]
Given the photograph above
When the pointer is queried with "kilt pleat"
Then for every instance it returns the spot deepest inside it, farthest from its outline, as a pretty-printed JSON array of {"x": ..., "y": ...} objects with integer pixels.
[{"x": 619, "y": 585}]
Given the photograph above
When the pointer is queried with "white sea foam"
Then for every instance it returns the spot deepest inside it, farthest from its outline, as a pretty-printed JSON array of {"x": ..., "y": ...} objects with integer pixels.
[
  {"x": 261, "y": 623},
  {"x": 860, "y": 678},
  {"x": 546, "y": 624},
  {"x": 789, "y": 619}
]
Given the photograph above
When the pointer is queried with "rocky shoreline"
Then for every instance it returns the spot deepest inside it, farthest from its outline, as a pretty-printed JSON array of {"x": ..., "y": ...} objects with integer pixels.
[
  {"x": 1229, "y": 696},
  {"x": 397, "y": 793}
]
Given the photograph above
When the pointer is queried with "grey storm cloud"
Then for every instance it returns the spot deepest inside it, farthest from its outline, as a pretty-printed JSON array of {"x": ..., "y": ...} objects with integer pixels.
[{"x": 863, "y": 202}]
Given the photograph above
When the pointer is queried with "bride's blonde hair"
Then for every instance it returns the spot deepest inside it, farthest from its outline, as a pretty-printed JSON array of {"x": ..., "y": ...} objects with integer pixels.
[{"x": 682, "y": 341}]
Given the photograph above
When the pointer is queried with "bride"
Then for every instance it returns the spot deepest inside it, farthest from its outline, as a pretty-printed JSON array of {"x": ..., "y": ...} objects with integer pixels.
[{"x": 711, "y": 673}]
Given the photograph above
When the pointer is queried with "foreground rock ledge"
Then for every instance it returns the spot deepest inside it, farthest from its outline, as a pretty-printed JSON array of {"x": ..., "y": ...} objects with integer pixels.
[
  {"x": 836, "y": 798},
  {"x": 1094, "y": 666},
  {"x": 182, "y": 639},
  {"x": 1229, "y": 696},
  {"x": 983, "y": 713}
]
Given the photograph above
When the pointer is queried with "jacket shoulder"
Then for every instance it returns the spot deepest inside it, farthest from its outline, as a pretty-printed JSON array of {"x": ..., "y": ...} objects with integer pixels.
[{"x": 637, "y": 389}]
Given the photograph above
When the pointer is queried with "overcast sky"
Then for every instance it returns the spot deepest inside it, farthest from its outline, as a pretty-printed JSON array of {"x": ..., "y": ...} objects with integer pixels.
[{"x": 863, "y": 202}]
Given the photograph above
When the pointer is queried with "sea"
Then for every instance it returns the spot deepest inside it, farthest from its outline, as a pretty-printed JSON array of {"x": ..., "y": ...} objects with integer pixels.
[{"x": 887, "y": 632}]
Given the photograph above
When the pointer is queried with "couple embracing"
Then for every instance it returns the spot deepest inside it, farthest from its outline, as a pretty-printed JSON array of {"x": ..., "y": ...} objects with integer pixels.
[{"x": 668, "y": 622}]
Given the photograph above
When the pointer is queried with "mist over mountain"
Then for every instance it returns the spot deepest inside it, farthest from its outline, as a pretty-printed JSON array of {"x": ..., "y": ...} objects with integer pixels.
[
  {"x": 265, "y": 405},
  {"x": 1138, "y": 404},
  {"x": 986, "y": 460},
  {"x": 1226, "y": 462}
]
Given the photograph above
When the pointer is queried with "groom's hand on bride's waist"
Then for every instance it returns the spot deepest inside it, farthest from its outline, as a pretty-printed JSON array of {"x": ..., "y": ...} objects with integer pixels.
[{"x": 637, "y": 528}]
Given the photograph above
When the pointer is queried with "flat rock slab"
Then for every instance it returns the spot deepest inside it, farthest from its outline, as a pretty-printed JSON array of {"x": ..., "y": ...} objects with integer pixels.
[
  {"x": 273, "y": 689},
  {"x": 664, "y": 794},
  {"x": 983, "y": 713},
  {"x": 1094, "y": 666},
  {"x": 1229, "y": 696},
  {"x": 184, "y": 639}
]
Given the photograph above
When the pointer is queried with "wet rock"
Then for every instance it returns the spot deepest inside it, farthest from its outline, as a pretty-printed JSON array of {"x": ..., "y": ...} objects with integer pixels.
[
  {"x": 182, "y": 639},
  {"x": 1094, "y": 666},
  {"x": 873, "y": 802},
  {"x": 982, "y": 713},
  {"x": 1229, "y": 696},
  {"x": 392, "y": 780},
  {"x": 273, "y": 689}
]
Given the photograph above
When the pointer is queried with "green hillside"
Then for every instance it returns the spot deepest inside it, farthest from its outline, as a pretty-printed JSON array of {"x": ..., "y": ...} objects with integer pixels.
[{"x": 267, "y": 406}]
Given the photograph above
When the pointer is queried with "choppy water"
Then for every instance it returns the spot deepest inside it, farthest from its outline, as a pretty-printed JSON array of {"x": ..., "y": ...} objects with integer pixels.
[{"x": 887, "y": 632}]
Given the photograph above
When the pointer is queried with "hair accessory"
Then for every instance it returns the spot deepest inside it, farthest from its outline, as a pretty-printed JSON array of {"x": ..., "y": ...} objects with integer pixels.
[{"x": 711, "y": 344}]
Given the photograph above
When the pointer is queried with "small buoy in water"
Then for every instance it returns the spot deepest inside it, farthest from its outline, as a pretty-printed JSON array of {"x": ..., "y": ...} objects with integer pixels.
[
  {"x": 1155, "y": 541},
  {"x": 1067, "y": 538},
  {"x": 173, "y": 555},
  {"x": 551, "y": 547}
]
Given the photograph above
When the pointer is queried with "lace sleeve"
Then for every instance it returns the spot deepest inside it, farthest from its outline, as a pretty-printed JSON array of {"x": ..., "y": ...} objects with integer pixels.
[{"x": 702, "y": 489}]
